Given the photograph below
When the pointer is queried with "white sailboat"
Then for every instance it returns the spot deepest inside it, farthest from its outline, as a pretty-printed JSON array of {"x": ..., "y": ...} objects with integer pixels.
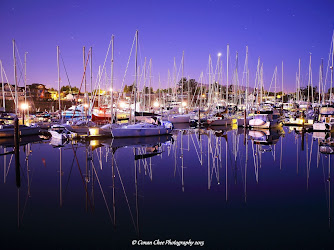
[
  {"x": 139, "y": 129},
  {"x": 60, "y": 132},
  {"x": 265, "y": 119}
]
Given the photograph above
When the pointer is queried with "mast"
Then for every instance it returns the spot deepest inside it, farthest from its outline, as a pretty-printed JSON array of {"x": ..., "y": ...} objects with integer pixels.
[
  {"x": 275, "y": 84},
  {"x": 174, "y": 76},
  {"x": 298, "y": 83},
  {"x": 91, "y": 71},
  {"x": 25, "y": 84},
  {"x": 320, "y": 80},
  {"x": 247, "y": 83},
  {"x": 227, "y": 55},
  {"x": 149, "y": 89},
  {"x": 112, "y": 81},
  {"x": 261, "y": 82},
  {"x": 15, "y": 78},
  {"x": 99, "y": 96},
  {"x": 136, "y": 75},
  {"x": 182, "y": 79},
  {"x": 83, "y": 59},
  {"x": 282, "y": 85},
  {"x": 330, "y": 92},
  {"x": 188, "y": 101},
  {"x": 25, "y": 77},
  {"x": 58, "y": 80},
  {"x": 144, "y": 88},
  {"x": 257, "y": 81},
  {"x": 236, "y": 79},
  {"x": 160, "y": 102},
  {"x": 309, "y": 80},
  {"x": 3, "y": 88}
]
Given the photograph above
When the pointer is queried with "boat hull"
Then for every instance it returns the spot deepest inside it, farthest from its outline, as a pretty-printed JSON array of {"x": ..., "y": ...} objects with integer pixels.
[
  {"x": 219, "y": 122},
  {"x": 24, "y": 131},
  {"x": 179, "y": 118},
  {"x": 258, "y": 123},
  {"x": 138, "y": 130}
]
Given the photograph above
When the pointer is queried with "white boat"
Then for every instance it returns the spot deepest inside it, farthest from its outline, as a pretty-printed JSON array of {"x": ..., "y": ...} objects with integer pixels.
[
  {"x": 265, "y": 119},
  {"x": 219, "y": 120},
  {"x": 139, "y": 130},
  {"x": 79, "y": 126},
  {"x": 60, "y": 132},
  {"x": 326, "y": 120},
  {"x": 179, "y": 118},
  {"x": 76, "y": 111}
]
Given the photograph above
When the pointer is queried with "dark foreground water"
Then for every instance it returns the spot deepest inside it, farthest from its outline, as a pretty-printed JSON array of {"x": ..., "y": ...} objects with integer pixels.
[{"x": 213, "y": 187}]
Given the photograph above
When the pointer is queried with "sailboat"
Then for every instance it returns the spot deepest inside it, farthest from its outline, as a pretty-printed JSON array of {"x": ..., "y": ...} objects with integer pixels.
[
  {"x": 139, "y": 129},
  {"x": 265, "y": 118},
  {"x": 326, "y": 120}
]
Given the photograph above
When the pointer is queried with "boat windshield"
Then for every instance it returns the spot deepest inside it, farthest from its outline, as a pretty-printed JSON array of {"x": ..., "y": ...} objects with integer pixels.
[{"x": 261, "y": 117}]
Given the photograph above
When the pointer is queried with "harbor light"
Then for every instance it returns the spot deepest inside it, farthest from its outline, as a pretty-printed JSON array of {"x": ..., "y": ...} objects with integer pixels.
[
  {"x": 156, "y": 104},
  {"x": 24, "y": 106},
  {"x": 93, "y": 131},
  {"x": 110, "y": 89},
  {"x": 219, "y": 54},
  {"x": 184, "y": 104},
  {"x": 122, "y": 105}
]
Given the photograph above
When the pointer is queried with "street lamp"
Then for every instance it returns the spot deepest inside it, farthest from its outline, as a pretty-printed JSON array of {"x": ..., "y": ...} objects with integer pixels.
[
  {"x": 156, "y": 104},
  {"x": 24, "y": 107}
]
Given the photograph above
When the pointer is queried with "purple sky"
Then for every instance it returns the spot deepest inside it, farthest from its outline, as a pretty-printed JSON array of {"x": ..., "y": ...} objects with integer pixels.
[{"x": 274, "y": 30}]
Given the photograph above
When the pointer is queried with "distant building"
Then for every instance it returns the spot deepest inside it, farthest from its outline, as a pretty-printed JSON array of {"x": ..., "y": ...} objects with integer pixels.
[
  {"x": 39, "y": 91},
  {"x": 54, "y": 94},
  {"x": 9, "y": 91}
]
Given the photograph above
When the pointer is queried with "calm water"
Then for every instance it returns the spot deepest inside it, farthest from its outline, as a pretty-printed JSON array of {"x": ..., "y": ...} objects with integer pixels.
[{"x": 203, "y": 185}]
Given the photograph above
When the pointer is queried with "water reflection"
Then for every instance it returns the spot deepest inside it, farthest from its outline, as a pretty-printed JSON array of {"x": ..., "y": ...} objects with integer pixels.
[{"x": 163, "y": 186}]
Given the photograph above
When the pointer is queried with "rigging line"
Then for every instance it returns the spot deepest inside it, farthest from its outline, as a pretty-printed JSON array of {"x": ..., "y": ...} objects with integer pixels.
[
  {"x": 104, "y": 198},
  {"x": 126, "y": 197},
  {"x": 196, "y": 149},
  {"x": 100, "y": 76},
  {"x": 69, "y": 176},
  {"x": 10, "y": 86},
  {"x": 99, "y": 159},
  {"x": 328, "y": 62},
  {"x": 83, "y": 181},
  {"x": 9, "y": 164},
  {"x": 25, "y": 203},
  {"x": 82, "y": 80},
  {"x": 272, "y": 80},
  {"x": 17, "y": 53},
  {"x": 127, "y": 65},
  {"x": 323, "y": 173},
  {"x": 68, "y": 79}
]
